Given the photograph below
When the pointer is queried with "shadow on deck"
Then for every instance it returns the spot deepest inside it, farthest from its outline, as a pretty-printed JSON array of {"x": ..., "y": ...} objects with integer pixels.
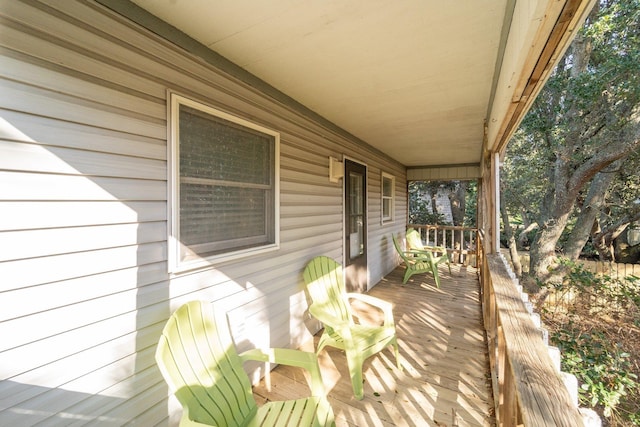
[{"x": 445, "y": 379}]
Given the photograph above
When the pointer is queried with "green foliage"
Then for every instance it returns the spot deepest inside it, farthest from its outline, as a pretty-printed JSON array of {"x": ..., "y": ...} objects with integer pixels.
[
  {"x": 601, "y": 293},
  {"x": 586, "y": 111},
  {"x": 421, "y": 191},
  {"x": 471, "y": 205},
  {"x": 581, "y": 314},
  {"x": 601, "y": 366}
]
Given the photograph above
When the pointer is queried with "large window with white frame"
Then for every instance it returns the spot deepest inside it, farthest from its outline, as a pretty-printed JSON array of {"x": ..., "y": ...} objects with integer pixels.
[
  {"x": 224, "y": 185},
  {"x": 388, "y": 201}
]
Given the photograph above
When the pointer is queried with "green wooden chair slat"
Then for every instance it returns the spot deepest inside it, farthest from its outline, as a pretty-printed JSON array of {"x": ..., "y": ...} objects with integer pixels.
[
  {"x": 199, "y": 362},
  {"x": 417, "y": 262},
  {"x": 330, "y": 304}
]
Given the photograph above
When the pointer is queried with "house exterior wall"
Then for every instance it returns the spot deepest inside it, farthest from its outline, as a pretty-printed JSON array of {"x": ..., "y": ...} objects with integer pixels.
[{"x": 84, "y": 282}]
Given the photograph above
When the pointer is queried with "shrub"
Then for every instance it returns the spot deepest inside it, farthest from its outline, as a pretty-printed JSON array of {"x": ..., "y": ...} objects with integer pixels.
[{"x": 590, "y": 318}]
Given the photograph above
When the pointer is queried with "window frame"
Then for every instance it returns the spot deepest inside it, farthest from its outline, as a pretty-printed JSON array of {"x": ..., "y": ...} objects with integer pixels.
[
  {"x": 391, "y": 198},
  {"x": 175, "y": 262}
]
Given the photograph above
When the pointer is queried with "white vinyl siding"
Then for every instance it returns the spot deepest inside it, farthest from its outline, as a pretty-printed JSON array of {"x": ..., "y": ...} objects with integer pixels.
[{"x": 84, "y": 178}]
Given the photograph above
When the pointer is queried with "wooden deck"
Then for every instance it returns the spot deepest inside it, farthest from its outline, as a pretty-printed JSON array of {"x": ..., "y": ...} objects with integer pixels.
[{"x": 445, "y": 379}]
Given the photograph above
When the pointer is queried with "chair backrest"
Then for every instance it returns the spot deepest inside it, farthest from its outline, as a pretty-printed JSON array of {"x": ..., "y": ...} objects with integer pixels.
[
  {"x": 325, "y": 282},
  {"x": 414, "y": 240},
  {"x": 198, "y": 359},
  {"x": 399, "y": 249}
]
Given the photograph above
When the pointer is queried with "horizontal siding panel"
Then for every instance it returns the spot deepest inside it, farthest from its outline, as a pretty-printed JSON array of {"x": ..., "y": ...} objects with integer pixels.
[
  {"x": 287, "y": 210},
  {"x": 305, "y": 198},
  {"x": 94, "y": 409},
  {"x": 20, "y": 44},
  {"x": 155, "y": 415},
  {"x": 36, "y": 271},
  {"x": 150, "y": 388},
  {"x": 56, "y": 160},
  {"x": 73, "y": 135},
  {"x": 36, "y": 360},
  {"x": 71, "y": 390},
  {"x": 53, "y": 377},
  {"x": 28, "y": 329},
  {"x": 67, "y": 292},
  {"x": 57, "y": 241},
  {"x": 46, "y": 26},
  {"x": 169, "y": 66},
  {"x": 303, "y": 165},
  {"x": 38, "y": 101},
  {"x": 306, "y": 151},
  {"x": 28, "y": 215},
  {"x": 39, "y": 75},
  {"x": 133, "y": 406},
  {"x": 33, "y": 186},
  {"x": 295, "y": 177},
  {"x": 301, "y": 221},
  {"x": 316, "y": 244},
  {"x": 310, "y": 189}
]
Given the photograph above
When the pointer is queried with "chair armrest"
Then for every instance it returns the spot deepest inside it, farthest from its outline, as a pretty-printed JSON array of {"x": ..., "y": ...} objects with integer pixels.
[
  {"x": 435, "y": 248},
  {"x": 290, "y": 357},
  {"x": 418, "y": 254},
  {"x": 371, "y": 300},
  {"x": 342, "y": 327},
  {"x": 385, "y": 306},
  {"x": 434, "y": 251}
]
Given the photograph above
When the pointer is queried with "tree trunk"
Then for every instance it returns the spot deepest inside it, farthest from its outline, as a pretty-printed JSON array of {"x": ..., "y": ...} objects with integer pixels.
[
  {"x": 603, "y": 239},
  {"x": 590, "y": 209},
  {"x": 457, "y": 199},
  {"x": 543, "y": 250},
  {"x": 433, "y": 196},
  {"x": 524, "y": 234},
  {"x": 511, "y": 240},
  {"x": 624, "y": 252},
  {"x": 603, "y": 242}
]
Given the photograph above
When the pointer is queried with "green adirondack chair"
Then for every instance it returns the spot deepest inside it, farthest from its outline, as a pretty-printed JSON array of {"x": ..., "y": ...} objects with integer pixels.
[
  {"x": 331, "y": 305},
  {"x": 197, "y": 358},
  {"x": 439, "y": 253},
  {"x": 417, "y": 262}
]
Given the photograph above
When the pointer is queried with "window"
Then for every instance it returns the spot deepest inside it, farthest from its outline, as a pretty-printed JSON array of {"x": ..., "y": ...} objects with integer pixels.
[
  {"x": 388, "y": 187},
  {"x": 224, "y": 185}
]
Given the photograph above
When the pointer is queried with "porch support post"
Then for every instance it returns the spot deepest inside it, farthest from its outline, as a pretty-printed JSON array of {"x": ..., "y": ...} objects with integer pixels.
[{"x": 495, "y": 202}]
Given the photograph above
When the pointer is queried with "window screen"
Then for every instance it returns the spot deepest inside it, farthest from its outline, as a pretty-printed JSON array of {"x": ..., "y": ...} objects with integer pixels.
[
  {"x": 226, "y": 181},
  {"x": 388, "y": 183}
]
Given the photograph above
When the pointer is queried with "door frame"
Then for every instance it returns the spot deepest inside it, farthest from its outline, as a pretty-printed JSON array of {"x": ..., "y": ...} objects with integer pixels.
[{"x": 345, "y": 225}]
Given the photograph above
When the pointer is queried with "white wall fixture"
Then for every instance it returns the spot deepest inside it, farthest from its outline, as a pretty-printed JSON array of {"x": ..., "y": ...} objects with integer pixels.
[{"x": 336, "y": 169}]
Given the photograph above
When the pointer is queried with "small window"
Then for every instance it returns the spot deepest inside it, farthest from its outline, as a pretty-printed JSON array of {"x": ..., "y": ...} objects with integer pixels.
[
  {"x": 388, "y": 188},
  {"x": 224, "y": 185}
]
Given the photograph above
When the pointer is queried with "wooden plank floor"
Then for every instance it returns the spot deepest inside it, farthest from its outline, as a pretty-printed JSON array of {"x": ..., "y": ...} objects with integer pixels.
[{"x": 445, "y": 379}]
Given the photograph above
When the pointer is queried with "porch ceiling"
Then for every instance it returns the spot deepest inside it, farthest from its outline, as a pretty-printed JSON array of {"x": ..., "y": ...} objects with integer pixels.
[{"x": 416, "y": 79}]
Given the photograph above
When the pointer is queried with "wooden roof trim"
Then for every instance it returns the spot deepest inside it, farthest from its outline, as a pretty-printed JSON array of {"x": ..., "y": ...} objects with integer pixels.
[{"x": 571, "y": 17}]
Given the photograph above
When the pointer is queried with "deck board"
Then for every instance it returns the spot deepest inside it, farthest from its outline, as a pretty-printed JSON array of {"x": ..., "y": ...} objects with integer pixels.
[{"x": 442, "y": 350}]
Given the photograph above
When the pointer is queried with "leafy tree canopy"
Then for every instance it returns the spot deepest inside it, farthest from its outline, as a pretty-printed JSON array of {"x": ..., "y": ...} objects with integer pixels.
[{"x": 582, "y": 133}]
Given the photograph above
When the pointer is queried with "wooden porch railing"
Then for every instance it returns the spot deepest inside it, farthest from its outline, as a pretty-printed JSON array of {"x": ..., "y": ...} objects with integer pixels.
[
  {"x": 529, "y": 389},
  {"x": 461, "y": 242}
]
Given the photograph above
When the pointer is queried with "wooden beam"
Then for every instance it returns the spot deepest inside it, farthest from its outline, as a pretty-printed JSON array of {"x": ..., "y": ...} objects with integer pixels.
[{"x": 557, "y": 41}]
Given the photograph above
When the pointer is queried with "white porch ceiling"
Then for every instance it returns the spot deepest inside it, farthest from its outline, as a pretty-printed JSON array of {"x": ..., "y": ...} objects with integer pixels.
[{"x": 416, "y": 79}]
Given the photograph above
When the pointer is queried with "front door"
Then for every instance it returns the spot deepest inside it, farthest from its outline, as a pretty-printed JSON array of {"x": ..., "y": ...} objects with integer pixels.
[{"x": 355, "y": 191}]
